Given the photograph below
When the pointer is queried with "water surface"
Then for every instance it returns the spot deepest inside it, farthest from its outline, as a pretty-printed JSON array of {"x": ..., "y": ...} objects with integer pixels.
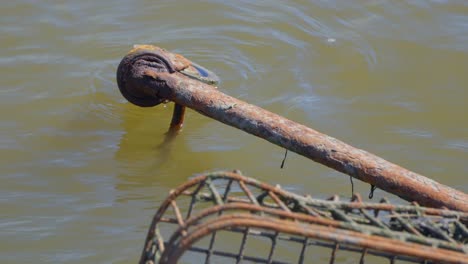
[{"x": 83, "y": 170}]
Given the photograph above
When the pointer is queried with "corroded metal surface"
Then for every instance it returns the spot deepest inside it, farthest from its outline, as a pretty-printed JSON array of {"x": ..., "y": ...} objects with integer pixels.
[
  {"x": 143, "y": 61},
  {"x": 206, "y": 99},
  {"x": 212, "y": 206}
]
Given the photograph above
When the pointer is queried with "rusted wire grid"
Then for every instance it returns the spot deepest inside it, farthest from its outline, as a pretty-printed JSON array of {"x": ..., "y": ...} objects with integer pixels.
[
  {"x": 407, "y": 224},
  {"x": 151, "y": 74},
  {"x": 345, "y": 239}
]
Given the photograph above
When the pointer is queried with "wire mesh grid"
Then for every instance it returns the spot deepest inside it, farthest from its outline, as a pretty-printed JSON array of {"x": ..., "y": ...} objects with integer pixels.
[{"x": 226, "y": 217}]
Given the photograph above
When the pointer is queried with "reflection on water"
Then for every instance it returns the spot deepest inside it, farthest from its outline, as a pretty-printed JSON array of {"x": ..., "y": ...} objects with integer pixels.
[{"x": 83, "y": 170}]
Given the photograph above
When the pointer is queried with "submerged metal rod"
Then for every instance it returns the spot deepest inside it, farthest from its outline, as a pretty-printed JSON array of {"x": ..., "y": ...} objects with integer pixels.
[{"x": 146, "y": 81}]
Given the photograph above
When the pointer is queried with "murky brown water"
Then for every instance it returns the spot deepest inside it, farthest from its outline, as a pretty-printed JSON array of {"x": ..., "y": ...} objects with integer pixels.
[{"x": 82, "y": 170}]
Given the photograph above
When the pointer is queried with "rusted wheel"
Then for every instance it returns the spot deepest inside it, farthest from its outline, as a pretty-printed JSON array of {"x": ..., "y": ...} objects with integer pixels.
[{"x": 135, "y": 63}]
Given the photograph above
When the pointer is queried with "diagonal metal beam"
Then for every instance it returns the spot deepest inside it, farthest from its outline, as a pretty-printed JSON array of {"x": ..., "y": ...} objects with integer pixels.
[{"x": 147, "y": 81}]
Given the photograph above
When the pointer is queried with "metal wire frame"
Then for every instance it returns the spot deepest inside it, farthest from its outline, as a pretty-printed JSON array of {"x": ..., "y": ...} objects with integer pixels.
[{"x": 230, "y": 202}]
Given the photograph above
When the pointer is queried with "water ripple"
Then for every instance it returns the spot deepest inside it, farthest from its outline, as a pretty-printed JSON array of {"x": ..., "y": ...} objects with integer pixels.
[{"x": 79, "y": 161}]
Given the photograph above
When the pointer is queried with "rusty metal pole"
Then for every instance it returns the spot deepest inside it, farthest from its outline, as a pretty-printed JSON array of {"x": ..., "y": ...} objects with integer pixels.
[{"x": 136, "y": 75}]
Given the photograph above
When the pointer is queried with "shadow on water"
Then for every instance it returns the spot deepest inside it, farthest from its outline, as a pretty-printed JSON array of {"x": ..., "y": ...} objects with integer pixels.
[{"x": 150, "y": 155}]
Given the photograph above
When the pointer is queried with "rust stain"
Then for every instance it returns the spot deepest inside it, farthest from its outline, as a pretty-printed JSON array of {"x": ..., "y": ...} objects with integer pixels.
[
  {"x": 283, "y": 132},
  {"x": 362, "y": 226}
]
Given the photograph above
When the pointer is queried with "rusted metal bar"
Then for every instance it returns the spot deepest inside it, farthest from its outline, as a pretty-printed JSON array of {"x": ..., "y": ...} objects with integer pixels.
[
  {"x": 177, "y": 120},
  {"x": 391, "y": 246},
  {"x": 146, "y": 77}
]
